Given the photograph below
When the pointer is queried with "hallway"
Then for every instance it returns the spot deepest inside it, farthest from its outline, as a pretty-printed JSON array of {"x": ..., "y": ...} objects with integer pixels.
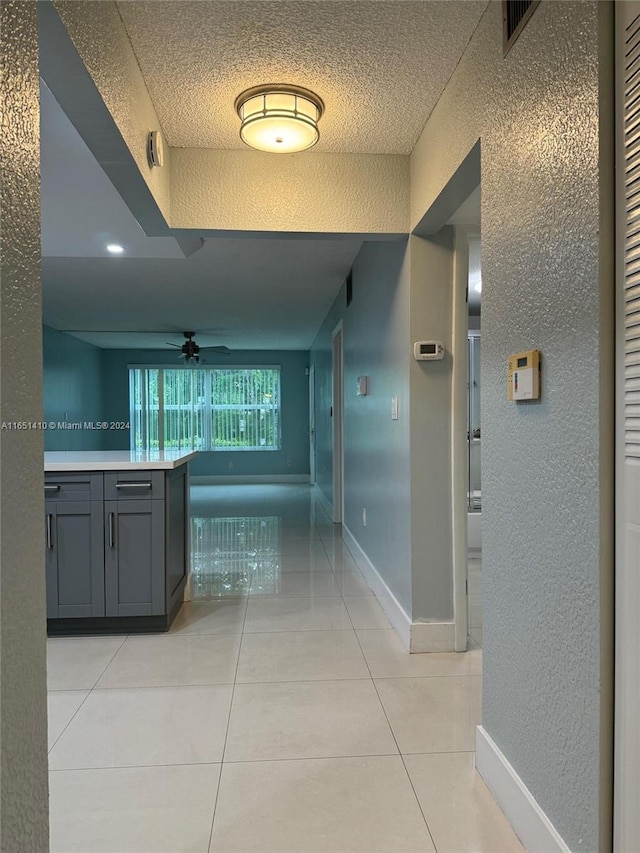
[{"x": 279, "y": 715}]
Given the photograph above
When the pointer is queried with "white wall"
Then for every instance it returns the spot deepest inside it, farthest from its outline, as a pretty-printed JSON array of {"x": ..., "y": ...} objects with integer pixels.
[
  {"x": 23, "y": 709},
  {"x": 542, "y": 115},
  {"x": 306, "y": 192}
]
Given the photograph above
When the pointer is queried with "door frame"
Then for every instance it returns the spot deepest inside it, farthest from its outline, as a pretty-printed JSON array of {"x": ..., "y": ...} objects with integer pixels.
[
  {"x": 626, "y": 824},
  {"x": 459, "y": 444},
  {"x": 312, "y": 424},
  {"x": 337, "y": 420}
]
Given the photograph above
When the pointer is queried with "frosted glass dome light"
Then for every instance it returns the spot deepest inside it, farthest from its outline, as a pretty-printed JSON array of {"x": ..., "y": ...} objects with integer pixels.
[{"x": 279, "y": 118}]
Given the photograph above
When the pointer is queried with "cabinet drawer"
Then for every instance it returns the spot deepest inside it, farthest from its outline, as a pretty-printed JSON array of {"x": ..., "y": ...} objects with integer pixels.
[
  {"x": 133, "y": 485},
  {"x": 83, "y": 486}
]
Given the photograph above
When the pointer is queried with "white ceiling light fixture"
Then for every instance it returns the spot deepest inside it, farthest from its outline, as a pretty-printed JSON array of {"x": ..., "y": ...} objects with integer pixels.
[
  {"x": 115, "y": 248},
  {"x": 279, "y": 118}
]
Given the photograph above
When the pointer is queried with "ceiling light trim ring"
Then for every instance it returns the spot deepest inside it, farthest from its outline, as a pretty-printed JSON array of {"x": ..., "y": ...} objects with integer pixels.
[{"x": 279, "y": 89}]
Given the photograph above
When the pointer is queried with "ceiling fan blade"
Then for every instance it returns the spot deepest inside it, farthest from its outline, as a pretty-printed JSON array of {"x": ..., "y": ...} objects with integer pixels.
[
  {"x": 169, "y": 344},
  {"x": 221, "y": 350}
]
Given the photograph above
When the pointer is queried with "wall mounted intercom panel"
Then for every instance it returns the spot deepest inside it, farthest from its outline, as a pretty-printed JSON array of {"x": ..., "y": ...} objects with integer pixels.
[{"x": 523, "y": 382}]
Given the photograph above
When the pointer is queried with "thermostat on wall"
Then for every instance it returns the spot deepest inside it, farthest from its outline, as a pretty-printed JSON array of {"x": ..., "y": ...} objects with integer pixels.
[
  {"x": 428, "y": 350},
  {"x": 523, "y": 381}
]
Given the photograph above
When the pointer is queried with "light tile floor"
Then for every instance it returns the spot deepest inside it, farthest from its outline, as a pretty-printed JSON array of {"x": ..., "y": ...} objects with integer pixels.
[{"x": 279, "y": 715}]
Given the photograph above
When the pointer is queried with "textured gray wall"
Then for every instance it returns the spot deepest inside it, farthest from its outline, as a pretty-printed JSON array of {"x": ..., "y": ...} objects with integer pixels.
[
  {"x": 376, "y": 449},
  {"x": 321, "y": 357},
  {"x": 23, "y": 707},
  {"x": 430, "y": 507},
  {"x": 546, "y": 465}
]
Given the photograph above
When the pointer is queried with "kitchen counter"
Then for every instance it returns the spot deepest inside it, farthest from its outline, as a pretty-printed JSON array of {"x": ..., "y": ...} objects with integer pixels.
[
  {"x": 115, "y": 460},
  {"x": 117, "y": 540}
]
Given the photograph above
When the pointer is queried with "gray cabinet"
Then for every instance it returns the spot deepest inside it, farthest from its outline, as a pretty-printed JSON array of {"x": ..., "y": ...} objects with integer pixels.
[
  {"x": 74, "y": 563},
  {"x": 116, "y": 549},
  {"x": 134, "y": 558}
]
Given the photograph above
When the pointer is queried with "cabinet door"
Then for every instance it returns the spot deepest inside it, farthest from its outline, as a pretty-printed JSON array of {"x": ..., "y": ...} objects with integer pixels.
[
  {"x": 134, "y": 558},
  {"x": 176, "y": 520},
  {"x": 74, "y": 559}
]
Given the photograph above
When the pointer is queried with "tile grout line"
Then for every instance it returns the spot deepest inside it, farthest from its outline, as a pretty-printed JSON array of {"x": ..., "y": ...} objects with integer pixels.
[
  {"x": 393, "y": 734},
  {"x": 89, "y": 692},
  {"x": 226, "y": 735},
  {"x": 242, "y": 634},
  {"x": 258, "y": 761}
]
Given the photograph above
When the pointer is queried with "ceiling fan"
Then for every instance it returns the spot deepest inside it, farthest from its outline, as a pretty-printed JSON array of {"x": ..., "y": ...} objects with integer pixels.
[{"x": 190, "y": 350}]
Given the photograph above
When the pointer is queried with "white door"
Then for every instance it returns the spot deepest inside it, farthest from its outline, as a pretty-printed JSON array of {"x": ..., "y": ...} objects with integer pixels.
[
  {"x": 336, "y": 410},
  {"x": 627, "y": 674},
  {"x": 312, "y": 424}
]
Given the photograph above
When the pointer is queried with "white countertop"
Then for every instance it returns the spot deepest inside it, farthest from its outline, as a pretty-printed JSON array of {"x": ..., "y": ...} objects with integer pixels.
[{"x": 115, "y": 460}]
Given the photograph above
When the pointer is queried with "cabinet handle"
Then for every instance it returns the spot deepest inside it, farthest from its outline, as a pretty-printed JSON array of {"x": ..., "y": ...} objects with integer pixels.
[
  {"x": 112, "y": 529},
  {"x": 133, "y": 485},
  {"x": 49, "y": 533},
  {"x": 52, "y": 488}
]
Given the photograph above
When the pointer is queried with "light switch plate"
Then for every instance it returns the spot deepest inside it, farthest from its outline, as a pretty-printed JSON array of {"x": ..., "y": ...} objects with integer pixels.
[{"x": 394, "y": 408}]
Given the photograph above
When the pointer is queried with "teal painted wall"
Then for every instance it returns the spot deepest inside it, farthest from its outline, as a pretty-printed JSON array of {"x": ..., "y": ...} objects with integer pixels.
[
  {"x": 293, "y": 458},
  {"x": 376, "y": 449},
  {"x": 72, "y": 391}
]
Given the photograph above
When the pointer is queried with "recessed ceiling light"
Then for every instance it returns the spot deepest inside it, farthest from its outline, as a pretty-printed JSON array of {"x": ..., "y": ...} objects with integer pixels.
[
  {"x": 279, "y": 118},
  {"x": 115, "y": 248}
]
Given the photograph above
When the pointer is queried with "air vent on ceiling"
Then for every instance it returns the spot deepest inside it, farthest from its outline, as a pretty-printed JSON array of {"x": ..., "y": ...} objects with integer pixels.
[
  {"x": 629, "y": 82},
  {"x": 515, "y": 14},
  {"x": 349, "y": 288}
]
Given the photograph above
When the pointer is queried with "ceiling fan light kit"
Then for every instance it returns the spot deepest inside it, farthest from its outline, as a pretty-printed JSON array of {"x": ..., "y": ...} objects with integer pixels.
[
  {"x": 279, "y": 118},
  {"x": 190, "y": 350}
]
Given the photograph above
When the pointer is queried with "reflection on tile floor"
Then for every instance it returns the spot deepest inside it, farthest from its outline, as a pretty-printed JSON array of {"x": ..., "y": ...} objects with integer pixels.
[{"x": 280, "y": 696}]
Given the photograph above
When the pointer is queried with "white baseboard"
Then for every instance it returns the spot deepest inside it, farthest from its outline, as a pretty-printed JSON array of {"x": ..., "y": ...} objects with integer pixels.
[
  {"x": 230, "y": 479},
  {"x": 323, "y": 500},
  {"x": 530, "y": 823},
  {"x": 416, "y": 636},
  {"x": 433, "y": 637},
  {"x": 187, "y": 589},
  {"x": 396, "y": 614},
  {"x": 474, "y": 531}
]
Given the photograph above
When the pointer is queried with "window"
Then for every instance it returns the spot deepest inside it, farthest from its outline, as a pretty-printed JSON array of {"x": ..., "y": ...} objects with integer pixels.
[{"x": 195, "y": 408}]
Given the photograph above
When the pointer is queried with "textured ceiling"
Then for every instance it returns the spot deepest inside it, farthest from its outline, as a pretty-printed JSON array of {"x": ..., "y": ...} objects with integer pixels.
[{"x": 379, "y": 66}]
